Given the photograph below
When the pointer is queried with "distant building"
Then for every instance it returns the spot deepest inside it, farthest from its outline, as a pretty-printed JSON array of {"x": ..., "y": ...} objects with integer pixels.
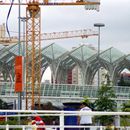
[
  {"x": 75, "y": 75},
  {"x": 69, "y": 77},
  {"x": 103, "y": 76},
  {"x": 2, "y": 30},
  {"x": 6, "y": 40},
  {"x": 124, "y": 79},
  {"x": 126, "y": 76}
]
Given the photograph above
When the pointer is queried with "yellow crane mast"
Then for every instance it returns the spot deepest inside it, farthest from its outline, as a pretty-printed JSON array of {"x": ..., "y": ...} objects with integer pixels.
[
  {"x": 33, "y": 54},
  {"x": 33, "y": 68}
]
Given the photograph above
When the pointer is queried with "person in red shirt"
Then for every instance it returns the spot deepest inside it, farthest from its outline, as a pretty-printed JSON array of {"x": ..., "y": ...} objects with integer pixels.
[{"x": 39, "y": 122}]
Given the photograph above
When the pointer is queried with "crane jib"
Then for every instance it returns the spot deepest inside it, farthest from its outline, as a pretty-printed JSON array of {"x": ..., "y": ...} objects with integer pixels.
[{"x": 52, "y": 3}]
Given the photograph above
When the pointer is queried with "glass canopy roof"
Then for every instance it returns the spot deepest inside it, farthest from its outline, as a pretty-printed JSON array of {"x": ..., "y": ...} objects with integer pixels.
[
  {"x": 1, "y": 47},
  {"x": 111, "y": 55},
  {"x": 54, "y": 51},
  {"x": 83, "y": 53},
  {"x": 128, "y": 57},
  {"x": 68, "y": 62}
]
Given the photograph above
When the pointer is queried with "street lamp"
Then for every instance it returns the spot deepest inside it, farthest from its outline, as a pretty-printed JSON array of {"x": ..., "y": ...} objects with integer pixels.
[
  {"x": 99, "y": 25},
  {"x": 23, "y": 19},
  {"x": 19, "y": 46}
]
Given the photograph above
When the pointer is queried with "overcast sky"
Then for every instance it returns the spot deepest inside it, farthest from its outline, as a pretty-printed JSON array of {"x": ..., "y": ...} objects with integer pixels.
[{"x": 114, "y": 14}]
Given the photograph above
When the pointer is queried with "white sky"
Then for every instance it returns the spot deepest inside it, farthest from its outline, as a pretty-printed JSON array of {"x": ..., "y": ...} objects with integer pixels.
[{"x": 114, "y": 14}]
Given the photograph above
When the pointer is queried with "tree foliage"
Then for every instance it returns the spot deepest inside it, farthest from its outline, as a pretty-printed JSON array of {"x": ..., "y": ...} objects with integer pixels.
[
  {"x": 88, "y": 102},
  {"x": 3, "y": 105},
  {"x": 126, "y": 107},
  {"x": 126, "y": 119},
  {"x": 105, "y": 103}
]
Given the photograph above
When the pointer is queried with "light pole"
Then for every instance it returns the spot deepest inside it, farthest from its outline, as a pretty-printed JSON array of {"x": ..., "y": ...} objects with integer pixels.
[
  {"x": 19, "y": 46},
  {"x": 99, "y": 25},
  {"x": 23, "y": 19}
]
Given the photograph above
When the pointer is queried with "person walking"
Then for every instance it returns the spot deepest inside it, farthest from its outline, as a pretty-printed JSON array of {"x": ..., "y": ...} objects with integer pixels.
[{"x": 85, "y": 120}]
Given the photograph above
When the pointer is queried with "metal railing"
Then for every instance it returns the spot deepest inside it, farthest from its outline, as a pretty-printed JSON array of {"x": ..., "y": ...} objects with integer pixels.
[
  {"x": 61, "y": 115},
  {"x": 69, "y": 90}
]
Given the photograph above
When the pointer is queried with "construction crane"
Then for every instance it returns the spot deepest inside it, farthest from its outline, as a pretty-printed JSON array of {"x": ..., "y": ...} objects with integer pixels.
[
  {"x": 83, "y": 33},
  {"x": 94, "y": 3},
  {"x": 33, "y": 42}
]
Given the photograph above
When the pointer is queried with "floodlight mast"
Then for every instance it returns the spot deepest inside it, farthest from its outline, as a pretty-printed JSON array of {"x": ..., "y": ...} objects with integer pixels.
[{"x": 99, "y": 25}]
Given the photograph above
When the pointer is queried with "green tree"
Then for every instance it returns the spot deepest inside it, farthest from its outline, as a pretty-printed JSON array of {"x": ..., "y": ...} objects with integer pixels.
[
  {"x": 3, "y": 105},
  {"x": 125, "y": 119},
  {"x": 126, "y": 106},
  {"x": 105, "y": 103},
  {"x": 87, "y": 101}
]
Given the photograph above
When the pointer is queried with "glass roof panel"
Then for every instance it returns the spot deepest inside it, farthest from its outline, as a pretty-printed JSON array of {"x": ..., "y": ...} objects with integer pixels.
[
  {"x": 83, "y": 53},
  {"x": 53, "y": 51},
  {"x": 8, "y": 52},
  {"x": 14, "y": 49},
  {"x": 1, "y": 46},
  {"x": 3, "y": 50},
  {"x": 68, "y": 62},
  {"x": 6, "y": 57},
  {"x": 4, "y": 54},
  {"x": 128, "y": 57},
  {"x": 43, "y": 61},
  {"x": 111, "y": 55},
  {"x": 10, "y": 59}
]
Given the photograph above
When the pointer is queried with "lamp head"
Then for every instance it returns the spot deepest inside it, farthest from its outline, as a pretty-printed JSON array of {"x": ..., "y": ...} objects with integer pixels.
[{"x": 99, "y": 25}]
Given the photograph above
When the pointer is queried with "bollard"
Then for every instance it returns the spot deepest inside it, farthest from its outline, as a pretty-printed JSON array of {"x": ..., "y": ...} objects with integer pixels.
[
  {"x": 101, "y": 128},
  {"x": 23, "y": 128},
  {"x": 7, "y": 127},
  {"x": 62, "y": 121}
]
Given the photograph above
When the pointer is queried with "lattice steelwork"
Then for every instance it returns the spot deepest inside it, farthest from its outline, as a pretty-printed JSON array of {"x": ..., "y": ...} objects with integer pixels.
[{"x": 33, "y": 54}]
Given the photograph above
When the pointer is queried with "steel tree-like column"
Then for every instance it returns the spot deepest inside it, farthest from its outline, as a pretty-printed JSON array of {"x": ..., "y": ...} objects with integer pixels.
[{"x": 33, "y": 55}]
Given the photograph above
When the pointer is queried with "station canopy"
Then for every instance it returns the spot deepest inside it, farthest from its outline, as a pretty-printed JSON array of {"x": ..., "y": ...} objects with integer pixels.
[
  {"x": 82, "y": 53},
  {"x": 112, "y": 55},
  {"x": 54, "y": 52}
]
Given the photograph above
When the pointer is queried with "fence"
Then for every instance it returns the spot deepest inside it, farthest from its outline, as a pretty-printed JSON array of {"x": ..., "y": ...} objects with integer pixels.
[
  {"x": 61, "y": 115},
  {"x": 72, "y": 90}
]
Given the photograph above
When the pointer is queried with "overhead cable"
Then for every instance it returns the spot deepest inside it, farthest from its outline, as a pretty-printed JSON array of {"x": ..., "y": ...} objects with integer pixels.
[{"x": 8, "y": 17}]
